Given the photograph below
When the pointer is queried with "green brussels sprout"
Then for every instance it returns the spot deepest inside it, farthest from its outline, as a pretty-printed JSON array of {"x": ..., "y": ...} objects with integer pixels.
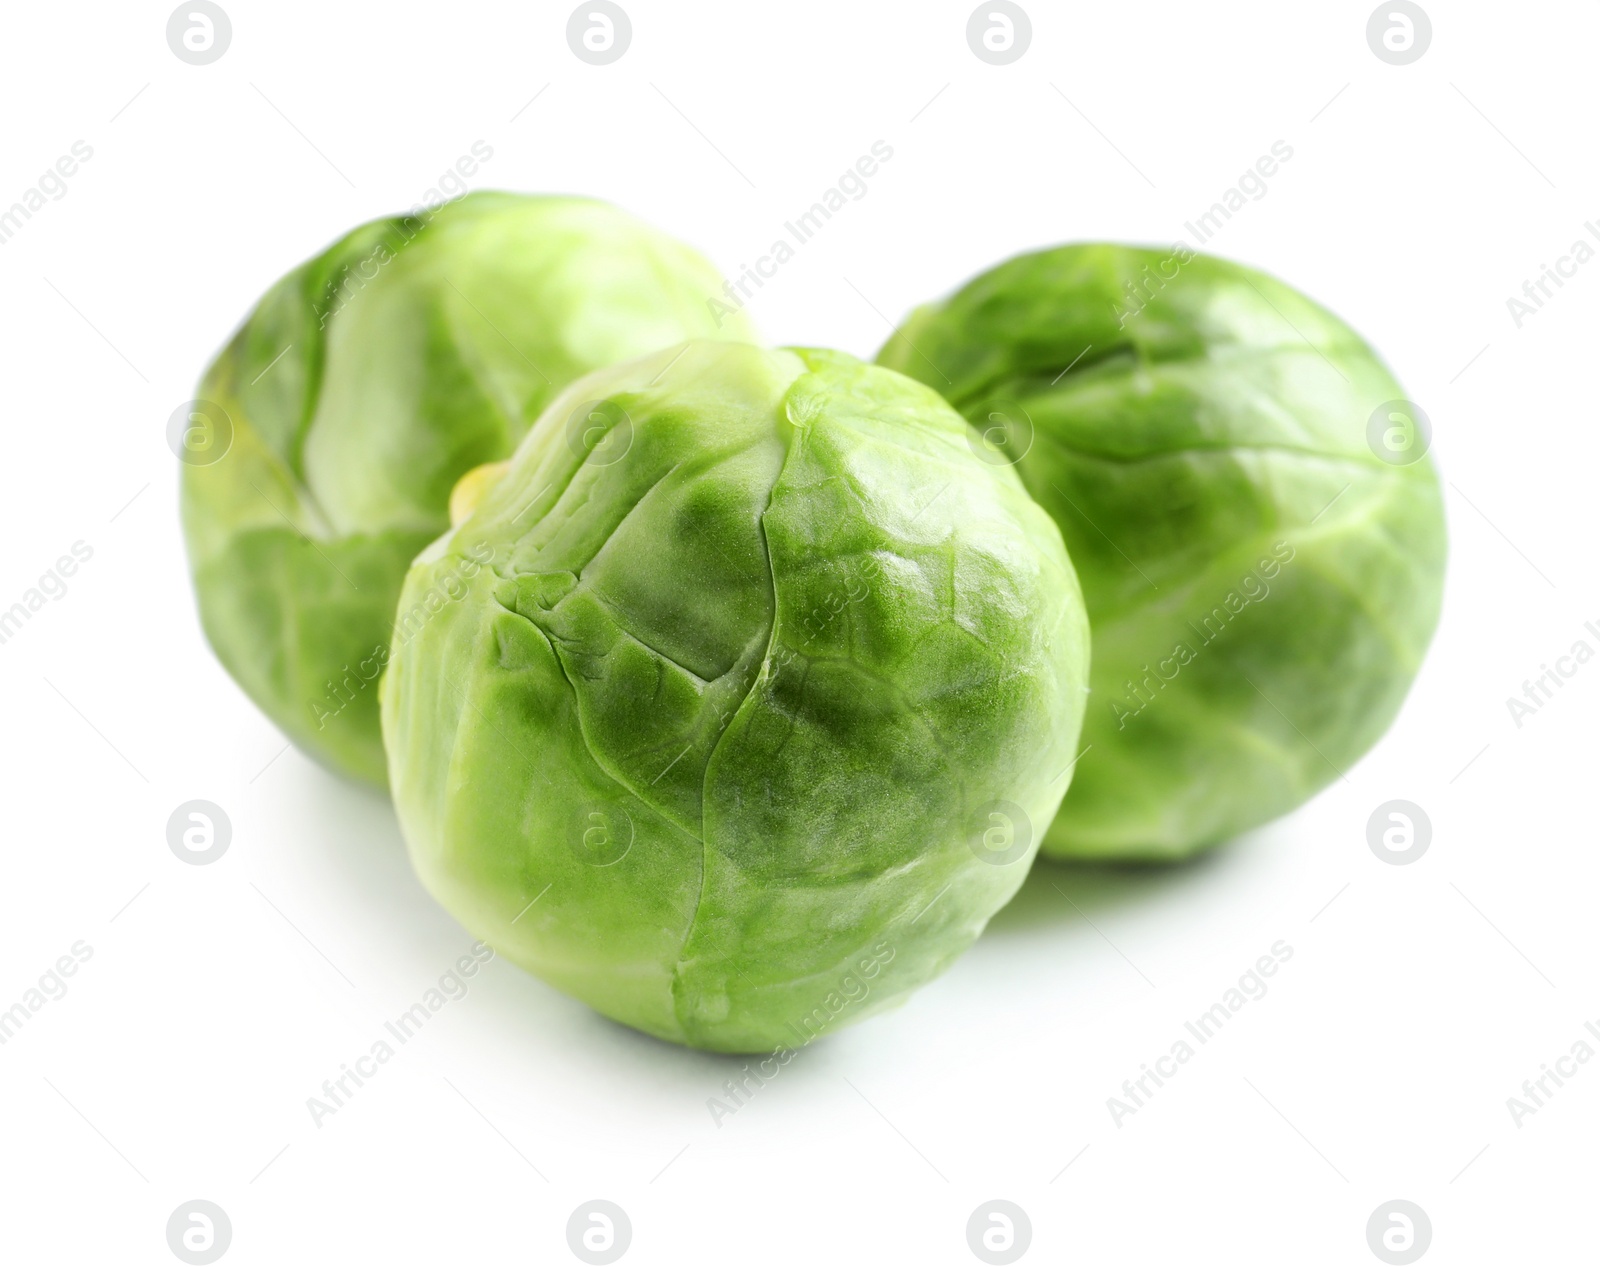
[
  {"x": 333, "y": 426},
  {"x": 730, "y": 706},
  {"x": 1246, "y": 499}
]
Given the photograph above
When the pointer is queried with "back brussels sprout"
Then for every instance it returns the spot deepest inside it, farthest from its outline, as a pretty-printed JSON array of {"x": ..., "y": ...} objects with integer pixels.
[{"x": 330, "y": 430}]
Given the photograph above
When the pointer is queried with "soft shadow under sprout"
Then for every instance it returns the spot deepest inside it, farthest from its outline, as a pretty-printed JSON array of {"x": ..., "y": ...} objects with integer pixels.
[{"x": 1055, "y": 892}]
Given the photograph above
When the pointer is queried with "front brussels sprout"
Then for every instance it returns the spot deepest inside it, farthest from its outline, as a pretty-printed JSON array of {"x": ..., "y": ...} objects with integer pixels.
[
  {"x": 732, "y": 704},
  {"x": 330, "y": 430},
  {"x": 1246, "y": 498}
]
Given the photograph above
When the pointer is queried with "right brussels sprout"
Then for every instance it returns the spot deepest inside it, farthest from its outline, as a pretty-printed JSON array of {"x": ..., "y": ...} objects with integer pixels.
[{"x": 1247, "y": 500}]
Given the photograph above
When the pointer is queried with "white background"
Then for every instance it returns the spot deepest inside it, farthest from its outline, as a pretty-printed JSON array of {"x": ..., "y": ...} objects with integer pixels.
[{"x": 219, "y": 998}]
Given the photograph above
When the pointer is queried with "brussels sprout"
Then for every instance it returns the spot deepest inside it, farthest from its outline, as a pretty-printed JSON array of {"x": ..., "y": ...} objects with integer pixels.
[
  {"x": 1245, "y": 496},
  {"x": 730, "y": 706},
  {"x": 366, "y": 381}
]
